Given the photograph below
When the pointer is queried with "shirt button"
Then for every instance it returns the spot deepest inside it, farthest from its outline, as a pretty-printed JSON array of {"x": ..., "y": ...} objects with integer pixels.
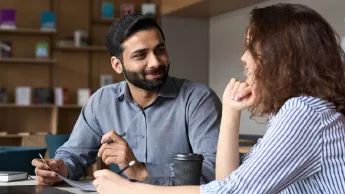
[
  {"x": 156, "y": 182},
  {"x": 142, "y": 137}
]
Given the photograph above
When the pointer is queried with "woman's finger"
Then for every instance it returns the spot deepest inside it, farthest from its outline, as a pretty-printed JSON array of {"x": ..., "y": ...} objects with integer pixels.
[{"x": 234, "y": 90}]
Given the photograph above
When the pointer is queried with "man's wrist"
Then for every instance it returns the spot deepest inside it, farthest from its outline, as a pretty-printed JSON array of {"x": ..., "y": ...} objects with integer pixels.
[{"x": 142, "y": 173}]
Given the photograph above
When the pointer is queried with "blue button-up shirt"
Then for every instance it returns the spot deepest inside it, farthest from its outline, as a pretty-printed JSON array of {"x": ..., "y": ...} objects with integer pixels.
[{"x": 184, "y": 118}]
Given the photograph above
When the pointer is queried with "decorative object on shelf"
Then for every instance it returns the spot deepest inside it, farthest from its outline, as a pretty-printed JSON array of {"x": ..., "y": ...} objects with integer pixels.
[
  {"x": 3, "y": 96},
  {"x": 43, "y": 96},
  {"x": 42, "y": 49},
  {"x": 83, "y": 96},
  {"x": 6, "y": 48},
  {"x": 148, "y": 9},
  {"x": 126, "y": 9},
  {"x": 8, "y": 19},
  {"x": 107, "y": 10},
  {"x": 23, "y": 95},
  {"x": 61, "y": 96},
  {"x": 81, "y": 38},
  {"x": 106, "y": 80},
  {"x": 3, "y": 133},
  {"x": 48, "y": 21}
]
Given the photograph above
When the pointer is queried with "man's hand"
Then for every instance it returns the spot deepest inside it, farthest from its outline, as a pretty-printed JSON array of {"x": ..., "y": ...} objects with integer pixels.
[
  {"x": 47, "y": 177},
  {"x": 119, "y": 152}
]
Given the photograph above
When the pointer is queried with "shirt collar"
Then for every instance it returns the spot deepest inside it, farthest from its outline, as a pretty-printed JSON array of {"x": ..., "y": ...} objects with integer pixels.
[{"x": 168, "y": 90}]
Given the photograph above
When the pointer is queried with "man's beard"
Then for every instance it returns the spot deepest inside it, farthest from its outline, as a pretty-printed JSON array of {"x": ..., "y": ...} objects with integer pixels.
[{"x": 139, "y": 80}]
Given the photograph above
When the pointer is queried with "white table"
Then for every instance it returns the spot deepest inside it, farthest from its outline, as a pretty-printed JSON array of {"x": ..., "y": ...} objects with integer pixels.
[{"x": 64, "y": 187}]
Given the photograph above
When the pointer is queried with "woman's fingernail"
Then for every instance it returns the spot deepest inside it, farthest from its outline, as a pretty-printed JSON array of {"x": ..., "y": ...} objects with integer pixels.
[
  {"x": 240, "y": 95},
  {"x": 236, "y": 98}
]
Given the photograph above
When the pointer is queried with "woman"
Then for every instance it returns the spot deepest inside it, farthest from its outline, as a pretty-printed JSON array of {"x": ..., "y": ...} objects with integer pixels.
[{"x": 296, "y": 76}]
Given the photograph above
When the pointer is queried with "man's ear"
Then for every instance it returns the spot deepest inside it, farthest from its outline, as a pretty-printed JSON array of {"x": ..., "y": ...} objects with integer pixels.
[{"x": 116, "y": 64}]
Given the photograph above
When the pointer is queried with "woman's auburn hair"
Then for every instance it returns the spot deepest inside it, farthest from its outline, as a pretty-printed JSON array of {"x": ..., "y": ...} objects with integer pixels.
[{"x": 297, "y": 54}]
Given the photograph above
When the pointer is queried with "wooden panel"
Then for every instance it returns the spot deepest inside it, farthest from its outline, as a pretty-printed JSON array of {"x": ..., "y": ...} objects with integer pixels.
[
  {"x": 101, "y": 65},
  {"x": 10, "y": 141},
  {"x": 72, "y": 73},
  {"x": 25, "y": 75},
  {"x": 72, "y": 15},
  {"x": 28, "y": 14},
  {"x": 27, "y": 120},
  {"x": 34, "y": 140},
  {"x": 67, "y": 120}
]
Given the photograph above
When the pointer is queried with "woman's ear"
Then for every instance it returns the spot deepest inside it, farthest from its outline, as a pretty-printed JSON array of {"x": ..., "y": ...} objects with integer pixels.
[{"x": 116, "y": 64}]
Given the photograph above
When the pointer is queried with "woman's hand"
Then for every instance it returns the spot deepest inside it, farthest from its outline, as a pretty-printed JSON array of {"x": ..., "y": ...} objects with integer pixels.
[
  {"x": 108, "y": 182},
  {"x": 238, "y": 95}
]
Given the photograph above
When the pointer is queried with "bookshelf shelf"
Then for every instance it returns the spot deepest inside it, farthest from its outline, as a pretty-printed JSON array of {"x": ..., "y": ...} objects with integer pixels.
[
  {"x": 28, "y": 60},
  {"x": 82, "y": 48},
  {"x": 70, "y": 106},
  {"x": 11, "y": 136},
  {"x": 27, "y": 106},
  {"x": 67, "y": 106},
  {"x": 27, "y": 31}
]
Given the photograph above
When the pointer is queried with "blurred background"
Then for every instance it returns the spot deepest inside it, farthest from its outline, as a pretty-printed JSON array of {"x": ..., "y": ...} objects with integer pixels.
[{"x": 53, "y": 55}]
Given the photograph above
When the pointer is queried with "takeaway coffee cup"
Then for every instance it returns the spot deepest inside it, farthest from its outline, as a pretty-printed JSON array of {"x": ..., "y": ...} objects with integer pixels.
[{"x": 187, "y": 168}]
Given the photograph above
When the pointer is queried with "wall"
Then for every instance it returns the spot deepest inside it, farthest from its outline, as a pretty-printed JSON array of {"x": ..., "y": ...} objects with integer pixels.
[
  {"x": 226, "y": 45},
  {"x": 188, "y": 46}
]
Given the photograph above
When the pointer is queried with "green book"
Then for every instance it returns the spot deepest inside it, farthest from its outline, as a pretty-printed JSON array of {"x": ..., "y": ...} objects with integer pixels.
[{"x": 42, "y": 49}]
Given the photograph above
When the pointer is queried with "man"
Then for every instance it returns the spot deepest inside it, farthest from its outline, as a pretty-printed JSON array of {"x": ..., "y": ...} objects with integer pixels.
[{"x": 160, "y": 115}]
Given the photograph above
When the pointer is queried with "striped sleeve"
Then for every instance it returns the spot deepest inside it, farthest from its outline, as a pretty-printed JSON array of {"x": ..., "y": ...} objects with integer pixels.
[{"x": 289, "y": 152}]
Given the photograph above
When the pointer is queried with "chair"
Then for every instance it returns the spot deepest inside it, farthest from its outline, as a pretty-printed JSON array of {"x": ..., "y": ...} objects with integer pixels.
[
  {"x": 18, "y": 158},
  {"x": 54, "y": 142}
]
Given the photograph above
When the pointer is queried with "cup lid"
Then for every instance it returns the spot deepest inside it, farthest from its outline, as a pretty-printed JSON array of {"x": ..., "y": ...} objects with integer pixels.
[{"x": 188, "y": 156}]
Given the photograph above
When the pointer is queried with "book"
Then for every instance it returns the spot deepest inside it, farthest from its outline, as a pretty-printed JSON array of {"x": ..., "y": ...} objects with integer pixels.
[
  {"x": 106, "y": 80},
  {"x": 8, "y": 19},
  {"x": 3, "y": 133},
  {"x": 3, "y": 96},
  {"x": 42, "y": 49},
  {"x": 6, "y": 48},
  {"x": 23, "y": 95},
  {"x": 107, "y": 10},
  {"x": 48, "y": 21},
  {"x": 7, "y": 176},
  {"x": 43, "y": 96},
  {"x": 126, "y": 9},
  {"x": 148, "y": 9},
  {"x": 83, "y": 96},
  {"x": 60, "y": 96},
  {"x": 24, "y": 133}
]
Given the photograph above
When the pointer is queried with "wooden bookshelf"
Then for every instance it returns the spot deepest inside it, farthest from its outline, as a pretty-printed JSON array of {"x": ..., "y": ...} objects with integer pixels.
[
  {"x": 28, "y": 60},
  {"x": 27, "y": 32},
  {"x": 69, "y": 67}
]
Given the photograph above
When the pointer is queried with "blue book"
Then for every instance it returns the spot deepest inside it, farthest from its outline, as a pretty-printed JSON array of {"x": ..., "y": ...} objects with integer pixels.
[
  {"x": 107, "y": 10},
  {"x": 48, "y": 20}
]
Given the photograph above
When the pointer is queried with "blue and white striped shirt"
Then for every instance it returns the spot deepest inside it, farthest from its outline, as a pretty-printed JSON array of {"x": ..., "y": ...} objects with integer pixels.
[{"x": 303, "y": 151}]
